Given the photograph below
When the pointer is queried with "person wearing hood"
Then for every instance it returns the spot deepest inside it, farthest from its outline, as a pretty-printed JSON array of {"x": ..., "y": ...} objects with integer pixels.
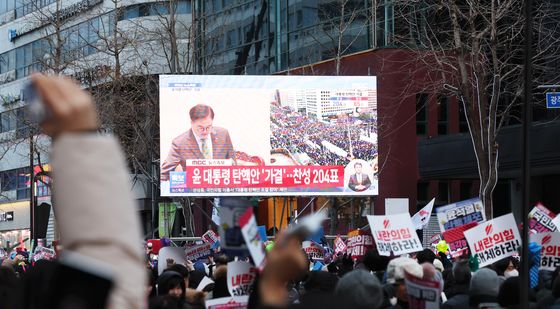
[
  {"x": 358, "y": 289},
  {"x": 319, "y": 289}
]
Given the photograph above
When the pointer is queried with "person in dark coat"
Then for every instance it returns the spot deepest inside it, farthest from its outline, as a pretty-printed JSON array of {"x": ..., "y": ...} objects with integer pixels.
[{"x": 461, "y": 282}]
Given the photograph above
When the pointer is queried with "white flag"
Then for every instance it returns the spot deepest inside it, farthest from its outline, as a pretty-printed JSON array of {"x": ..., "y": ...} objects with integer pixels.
[{"x": 421, "y": 218}]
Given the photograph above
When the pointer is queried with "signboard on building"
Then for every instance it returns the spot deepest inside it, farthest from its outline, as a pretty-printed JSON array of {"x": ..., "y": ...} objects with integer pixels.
[
  {"x": 268, "y": 135},
  {"x": 553, "y": 100},
  {"x": 460, "y": 213},
  {"x": 6, "y": 216}
]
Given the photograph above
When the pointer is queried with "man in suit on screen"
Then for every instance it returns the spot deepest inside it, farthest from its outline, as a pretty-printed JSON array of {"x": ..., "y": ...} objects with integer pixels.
[
  {"x": 202, "y": 141},
  {"x": 359, "y": 181}
]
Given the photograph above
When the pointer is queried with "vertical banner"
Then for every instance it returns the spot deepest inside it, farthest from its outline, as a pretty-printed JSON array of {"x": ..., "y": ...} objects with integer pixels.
[
  {"x": 301, "y": 135},
  {"x": 456, "y": 240},
  {"x": 541, "y": 220},
  {"x": 166, "y": 218},
  {"x": 394, "y": 233},
  {"x": 358, "y": 243},
  {"x": 422, "y": 294},
  {"x": 550, "y": 249},
  {"x": 241, "y": 276},
  {"x": 460, "y": 213},
  {"x": 494, "y": 240},
  {"x": 252, "y": 237}
]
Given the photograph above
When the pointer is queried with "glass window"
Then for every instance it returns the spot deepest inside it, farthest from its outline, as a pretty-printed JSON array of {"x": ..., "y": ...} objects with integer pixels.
[
  {"x": 7, "y": 121},
  {"x": 7, "y": 180},
  {"x": 184, "y": 7},
  {"x": 463, "y": 125},
  {"x": 157, "y": 9},
  {"x": 421, "y": 114},
  {"x": 130, "y": 12},
  {"x": 443, "y": 192}
]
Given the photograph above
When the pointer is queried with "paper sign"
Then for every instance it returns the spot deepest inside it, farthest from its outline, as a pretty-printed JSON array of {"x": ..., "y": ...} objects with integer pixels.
[
  {"x": 358, "y": 243},
  {"x": 173, "y": 253},
  {"x": 210, "y": 237},
  {"x": 422, "y": 294},
  {"x": 541, "y": 220},
  {"x": 239, "y": 302},
  {"x": 240, "y": 276},
  {"x": 494, "y": 240},
  {"x": 394, "y": 233},
  {"x": 460, "y": 213},
  {"x": 456, "y": 240},
  {"x": 313, "y": 250},
  {"x": 198, "y": 252},
  {"x": 204, "y": 283},
  {"x": 550, "y": 249},
  {"x": 252, "y": 237},
  {"x": 339, "y": 246}
]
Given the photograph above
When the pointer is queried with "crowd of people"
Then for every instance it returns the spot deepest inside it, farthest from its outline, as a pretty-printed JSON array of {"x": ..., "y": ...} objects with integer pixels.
[
  {"x": 299, "y": 133},
  {"x": 102, "y": 264}
]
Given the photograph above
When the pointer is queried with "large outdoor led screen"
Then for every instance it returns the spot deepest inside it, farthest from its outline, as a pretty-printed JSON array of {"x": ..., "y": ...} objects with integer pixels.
[{"x": 268, "y": 135}]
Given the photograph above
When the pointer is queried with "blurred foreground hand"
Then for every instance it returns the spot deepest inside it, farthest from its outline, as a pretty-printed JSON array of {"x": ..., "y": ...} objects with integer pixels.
[{"x": 70, "y": 108}]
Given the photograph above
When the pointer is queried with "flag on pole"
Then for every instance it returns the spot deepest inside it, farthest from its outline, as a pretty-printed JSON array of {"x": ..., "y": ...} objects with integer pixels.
[{"x": 422, "y": 217}]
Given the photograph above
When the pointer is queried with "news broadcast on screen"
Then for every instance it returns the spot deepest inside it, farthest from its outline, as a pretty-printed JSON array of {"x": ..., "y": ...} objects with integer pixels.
[{"x": 268, "y": 135}]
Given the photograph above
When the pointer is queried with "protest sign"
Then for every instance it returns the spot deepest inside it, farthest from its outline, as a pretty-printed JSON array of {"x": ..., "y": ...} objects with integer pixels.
[
  {"x": 456, "y": 240},
  {"x": 236, "y": 302},
  {"x": 240, "y": 276},
  {"x": 210, "y": 237},
  {"x": 169, "y": 256},
  {"x": 358, "y": 243},
  {"x": 460, "y": 213},
  {"x": 256, "y": 157},
  {"x": 252, "y": 237},
  {"x": 550, "y": 249},
  {"x": 422, "y": 217},
  {"x": 339, "y": 246},
  {"x": 422, "y": 294},
  {"x": 313, "y": 250},
  {"x": 198, "y": 252},
  {"x": 262, "y": 232},
  {"x": 494, "y": 240},
  {"x": 541, "y": 220},
  {"x": 394, "y": 233}
]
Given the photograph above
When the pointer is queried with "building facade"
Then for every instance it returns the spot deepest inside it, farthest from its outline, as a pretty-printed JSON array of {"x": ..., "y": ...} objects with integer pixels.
[{"x": 94, "y": 41}]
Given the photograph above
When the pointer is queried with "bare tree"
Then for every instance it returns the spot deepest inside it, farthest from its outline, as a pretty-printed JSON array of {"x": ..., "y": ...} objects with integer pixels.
[{"x": 473, "y": 50}]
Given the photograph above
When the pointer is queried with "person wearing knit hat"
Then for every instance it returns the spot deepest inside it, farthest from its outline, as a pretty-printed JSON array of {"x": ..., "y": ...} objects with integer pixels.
[
  {"x": 396, "y": 271},
  {"x": 484, "y": 287},
  {"x": 359, "y": 289}
]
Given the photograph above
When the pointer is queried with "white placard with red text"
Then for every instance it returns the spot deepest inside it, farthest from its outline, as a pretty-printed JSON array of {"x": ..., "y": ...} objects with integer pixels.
[
  {"x": 210, "y": 237},
  {"x": 550, "y": 249},
  {"x": 240, "y": 276},
  {"x": 236, "y": 302},
  {"x": 494, "y": 240},
  {"x": 422, "y": 294},
  {"x": 394, "y": 233},
  {"x": 313, "y": 250}
]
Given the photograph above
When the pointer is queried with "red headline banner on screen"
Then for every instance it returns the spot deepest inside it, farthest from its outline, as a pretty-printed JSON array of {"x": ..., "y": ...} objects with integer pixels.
[{"x": 268, "y": 135}]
